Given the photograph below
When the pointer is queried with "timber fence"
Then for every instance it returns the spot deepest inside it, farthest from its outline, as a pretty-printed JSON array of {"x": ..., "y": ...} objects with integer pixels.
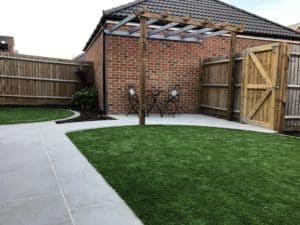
[{"x": 33, "y": 80}]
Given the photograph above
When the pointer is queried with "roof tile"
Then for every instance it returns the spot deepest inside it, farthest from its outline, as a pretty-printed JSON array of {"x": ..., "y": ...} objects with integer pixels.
[{"x": 216, "y": 10}]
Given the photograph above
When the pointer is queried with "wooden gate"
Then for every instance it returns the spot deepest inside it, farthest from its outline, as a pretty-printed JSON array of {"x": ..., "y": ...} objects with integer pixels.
[{"x": 261, "y": 85}]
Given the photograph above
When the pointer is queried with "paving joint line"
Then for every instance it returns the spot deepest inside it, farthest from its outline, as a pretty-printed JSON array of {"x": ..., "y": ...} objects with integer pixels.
[
  {"x": 30, "y": 198},
  {"x": 56, "y": 177},
  {"x": 88, "y": 206}
]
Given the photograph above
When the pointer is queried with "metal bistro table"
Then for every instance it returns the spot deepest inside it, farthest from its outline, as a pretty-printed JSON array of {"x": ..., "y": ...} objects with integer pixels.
[{"x": 154, "y": 95}]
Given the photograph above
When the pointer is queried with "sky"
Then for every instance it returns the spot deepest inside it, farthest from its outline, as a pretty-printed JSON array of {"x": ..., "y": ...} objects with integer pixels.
[{"x": 60, "y": 28}]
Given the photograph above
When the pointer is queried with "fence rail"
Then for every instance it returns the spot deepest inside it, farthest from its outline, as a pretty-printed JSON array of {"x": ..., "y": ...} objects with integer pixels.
[{"x": 33, "y": 80}]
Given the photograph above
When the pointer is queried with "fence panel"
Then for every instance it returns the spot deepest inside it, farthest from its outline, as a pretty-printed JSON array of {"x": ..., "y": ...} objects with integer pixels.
[
  {"x": 31, "y": 80},
  {"x": 292, "y": 109},
  {"x": 214, "y": 86}
]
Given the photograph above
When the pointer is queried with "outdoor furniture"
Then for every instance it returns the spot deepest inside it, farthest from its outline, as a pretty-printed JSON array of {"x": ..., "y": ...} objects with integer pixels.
[
  {"x": 133, "y": 100},
  {"x": 153, "y": 104},
  {"x": 173, "y": 99}
]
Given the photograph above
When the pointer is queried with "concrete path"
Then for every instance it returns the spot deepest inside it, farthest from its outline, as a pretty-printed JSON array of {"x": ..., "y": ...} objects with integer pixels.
[{"x": 45, "y": 180}]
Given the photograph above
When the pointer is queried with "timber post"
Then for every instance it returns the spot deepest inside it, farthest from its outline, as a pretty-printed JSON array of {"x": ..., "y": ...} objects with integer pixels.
[
  {"x": 283, "y": 83},
  {"x": 231, "y": 68},
  {"x": 142, "y": 85}
]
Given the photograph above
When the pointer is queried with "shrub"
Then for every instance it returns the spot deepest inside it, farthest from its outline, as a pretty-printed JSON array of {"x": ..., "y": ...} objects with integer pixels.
[
  {"x": 82, "y": 74},
  {"x": 86, "y": 99}
]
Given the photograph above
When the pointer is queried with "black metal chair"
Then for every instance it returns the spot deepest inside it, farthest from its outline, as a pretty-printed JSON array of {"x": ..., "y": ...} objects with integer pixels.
[
  {"x": 173, "y": 99},
  {"x": 133, "y": 100}
]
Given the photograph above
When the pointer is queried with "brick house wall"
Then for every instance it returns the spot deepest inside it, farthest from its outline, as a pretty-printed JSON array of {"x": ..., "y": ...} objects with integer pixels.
[
  {"x": 168, "y": 63},
  {"x": 95, "y": 54}
]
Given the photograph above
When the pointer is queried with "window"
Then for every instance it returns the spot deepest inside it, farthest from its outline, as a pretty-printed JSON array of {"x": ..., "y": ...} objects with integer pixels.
[{"x": 3, "y": 45}]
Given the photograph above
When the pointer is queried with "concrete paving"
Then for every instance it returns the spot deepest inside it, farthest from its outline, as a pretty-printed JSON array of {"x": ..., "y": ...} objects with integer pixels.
[{"x": 45, "y": 180}]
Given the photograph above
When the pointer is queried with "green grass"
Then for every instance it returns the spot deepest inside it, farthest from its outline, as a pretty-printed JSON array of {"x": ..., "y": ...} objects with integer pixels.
[
  {"x": 172, "y": 175},
  {"x": 26, "y": 114}
]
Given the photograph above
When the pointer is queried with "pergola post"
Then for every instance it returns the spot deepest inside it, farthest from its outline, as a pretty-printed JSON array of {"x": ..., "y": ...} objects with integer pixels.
[
  {"x": 231, "y": 66},
  {"x": 143, "y": 39}
]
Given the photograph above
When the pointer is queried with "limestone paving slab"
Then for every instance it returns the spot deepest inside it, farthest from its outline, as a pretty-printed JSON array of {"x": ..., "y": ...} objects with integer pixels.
[{"x": 46, "y": 210}]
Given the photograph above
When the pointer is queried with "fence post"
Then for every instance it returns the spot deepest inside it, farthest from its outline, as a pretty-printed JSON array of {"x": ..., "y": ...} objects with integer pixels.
[
  {"x": 201, "y": 74},
  {"x": 243, "y": 98},
  {"x": 283, "y": 75},
  {"x": 230, "y": 75}
]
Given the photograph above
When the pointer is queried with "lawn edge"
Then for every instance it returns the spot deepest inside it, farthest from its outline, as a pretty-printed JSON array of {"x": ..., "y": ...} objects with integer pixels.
[{"x": 42, "y": 121}]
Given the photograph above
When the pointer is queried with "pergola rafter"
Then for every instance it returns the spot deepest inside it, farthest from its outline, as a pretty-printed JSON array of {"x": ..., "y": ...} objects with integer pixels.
[
  {"x": 201, "y": 31},
  {"x": 123, "y": 22},
  {"x": 163, "y": 28},
  {"x": 177, "y": 29},
  {"x": 156, "y": 36},
  {"x": 214, "y": 34},
  {"x": 136, "y": 29}
]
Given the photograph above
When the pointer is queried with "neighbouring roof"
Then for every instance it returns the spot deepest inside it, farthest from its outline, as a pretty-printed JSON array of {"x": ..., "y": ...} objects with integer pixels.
[
  {"x": 216, "y": 10},
  {"x": 80, "y": 57},
  {"x": 295, "y": 26}
]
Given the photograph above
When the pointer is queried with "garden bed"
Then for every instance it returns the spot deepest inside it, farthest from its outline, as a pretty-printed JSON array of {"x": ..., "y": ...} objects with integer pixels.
[
  {"x": 293, "y": 133},
  {"x": 86, "y": 116}
]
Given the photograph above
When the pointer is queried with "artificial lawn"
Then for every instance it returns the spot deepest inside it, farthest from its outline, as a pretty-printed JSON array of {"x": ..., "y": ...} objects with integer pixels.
[
  {"x": 174, "y": 175},
  {"x": 26, "y": 114}
]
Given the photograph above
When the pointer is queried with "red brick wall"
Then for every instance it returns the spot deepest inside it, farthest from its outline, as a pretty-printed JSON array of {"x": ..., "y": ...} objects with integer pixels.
[
  {"x": 95, "y": 54},
  {"x": 169, "y": 63}
]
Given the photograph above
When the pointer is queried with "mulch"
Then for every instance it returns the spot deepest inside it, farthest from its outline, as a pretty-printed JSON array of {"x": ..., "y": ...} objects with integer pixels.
[{"x": 87, "y": 116}]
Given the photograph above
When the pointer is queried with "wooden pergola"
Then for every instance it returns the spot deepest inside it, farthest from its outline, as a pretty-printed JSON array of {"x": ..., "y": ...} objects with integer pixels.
[{"x": 188, "y": 30}]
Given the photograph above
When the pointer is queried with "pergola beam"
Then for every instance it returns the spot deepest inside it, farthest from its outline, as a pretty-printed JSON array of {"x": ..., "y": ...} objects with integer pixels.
[
  {"x": 175, "y": 38},
  {"x": 165, "y": 27},
  {"x": 179, "y": 31},
  {"x": 123, "y": 22},
  {"x": 136, "y": 29},
  {"x": 189, "y": 21}
]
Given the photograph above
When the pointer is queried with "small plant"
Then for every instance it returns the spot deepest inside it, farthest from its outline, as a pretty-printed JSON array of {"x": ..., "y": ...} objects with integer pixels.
[
  {"x": 82, "y": 74},
  {"x": 86, "y": 99}
]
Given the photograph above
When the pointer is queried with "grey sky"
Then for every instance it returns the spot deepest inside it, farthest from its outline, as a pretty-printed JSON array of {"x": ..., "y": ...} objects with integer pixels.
[{"x": 60, "y": 28}]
